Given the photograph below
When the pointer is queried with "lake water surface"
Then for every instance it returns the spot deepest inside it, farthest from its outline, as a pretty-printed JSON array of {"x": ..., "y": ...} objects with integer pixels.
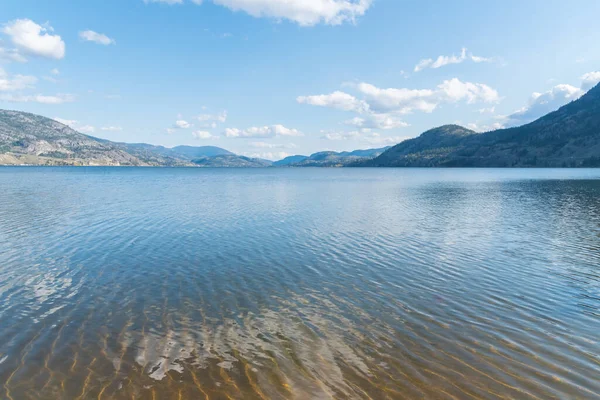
[{"x": 299, "y": 283}]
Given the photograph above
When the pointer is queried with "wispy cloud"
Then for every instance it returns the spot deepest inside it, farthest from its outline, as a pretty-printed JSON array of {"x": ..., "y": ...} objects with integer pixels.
[
  {"x": 442, "y": 61},
  {"x": 99, "y": 38},
  {"x": 261, "y": 132}
]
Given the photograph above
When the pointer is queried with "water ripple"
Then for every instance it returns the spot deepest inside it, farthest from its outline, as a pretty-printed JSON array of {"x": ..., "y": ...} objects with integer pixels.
[{"x": 279, "y": 284}]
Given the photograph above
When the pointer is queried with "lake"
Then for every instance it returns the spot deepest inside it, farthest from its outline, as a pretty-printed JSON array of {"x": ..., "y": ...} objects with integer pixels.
[{"x": 299, "y": 283}]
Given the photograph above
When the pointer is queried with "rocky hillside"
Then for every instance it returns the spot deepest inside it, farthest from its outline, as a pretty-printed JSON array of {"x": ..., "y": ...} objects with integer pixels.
[
  {"x": 31, "y": 139},
  {"x": 35, "y": 140},
  {"x": 568, "y": 137}
]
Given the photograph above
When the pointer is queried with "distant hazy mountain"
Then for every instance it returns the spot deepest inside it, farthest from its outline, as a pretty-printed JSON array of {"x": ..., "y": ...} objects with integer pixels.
[
  {"x": 191, "y": 152},
  {"x": 568, "y": 137},
  {"x": 335, "y": 159},
  {"x": 289, "y": 160},
  {"x": 231, "y": 160}
]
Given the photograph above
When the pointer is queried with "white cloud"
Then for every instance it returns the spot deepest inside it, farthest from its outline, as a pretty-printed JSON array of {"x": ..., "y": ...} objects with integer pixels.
[
  {"x": 34, "y": 39},
  {"x": 340, "y": 100},
  {"x": 170, "y": 2},
  {"x": 381, "y": 108},
  {"x": 302, "y": 12},
  {"x": 212, "y": 119},
  {"x": 541, "y": 104},
  {"x": 13, "y": 55},
  {"x": 38, "y": 98},
  {"x": 203, "y": 135},
  {"x": 378, "y": 121},
  {"x": 490, "y": 110},
  {"x": 455, "y": 90},
  {"x": 341, "y": 135},
  {"x": 99, "y": 38},
  {"x": 55, "y": 71},
  {"x": 75, "y": 125},
  {"x": 16, "y": 82},
  {"x": 261, "y": 132},
  {"x": 181, "y": 124},
  {"x": 402, "y": 101},
  {"x": 364, "y": 135},
  {"x": 477, "y": 127},
  {"x": 111, "y": 128},
  {"x": 269, "y": 155},
  {"x": 86, "y": 129},
  {"x": 265, "y": 145},
  {"x": 442, "y": 61},
  {"x": 590, "y": 80}
]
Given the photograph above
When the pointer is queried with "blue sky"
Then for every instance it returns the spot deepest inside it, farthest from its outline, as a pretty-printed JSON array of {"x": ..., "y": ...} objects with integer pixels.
[{"x": 269, "y": 78}]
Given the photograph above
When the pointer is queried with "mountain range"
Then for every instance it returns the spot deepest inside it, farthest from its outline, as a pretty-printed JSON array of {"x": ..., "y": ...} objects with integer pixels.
[
  {"x": 568, "y": 137},
  {"x": 29, "y": 139}
]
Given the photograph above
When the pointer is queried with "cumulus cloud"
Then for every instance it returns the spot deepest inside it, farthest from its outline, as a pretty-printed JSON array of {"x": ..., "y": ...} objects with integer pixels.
[
  {"x": 340, "y": 100},
  {"x": 16, "y": 82},
  {"x": 181, "y": 124},
  {"x": 402, "y": 100},
  {"x": 478, "y": 127},
  {"x": 363, "y": 135},
  {"x": 442, "y": 61},
  {"x": 590, "y": 80},
  {"x": 265, "y": 145},
  {"x": 378, "y": 121},
  {"x": 38, "y": 98},
  {"x": 302, "y": 12},
  {"x": 35, "y": 39},
  {"x": 203, "y": 135},
  {"x": 99, "y": 38},
  {"x": 540, "y": 104},
  {"x": 75, "y": 125},
  {"x": 261, "y": 132},
  {"x": 55, "y": 71},
  {"x": 268, "y": 155},
  {"x": 454, "y": 90},
  {"x": 381, "y": 108}
]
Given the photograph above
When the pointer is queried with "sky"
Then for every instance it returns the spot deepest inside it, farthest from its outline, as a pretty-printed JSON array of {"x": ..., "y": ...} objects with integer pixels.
[{"x": 271, "y": 78}]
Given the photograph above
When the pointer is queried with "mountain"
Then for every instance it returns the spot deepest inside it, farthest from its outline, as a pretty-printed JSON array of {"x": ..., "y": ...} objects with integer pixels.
[
  {"x": 191, "y": 152},
  {"x": 152, "y": 155},
  {"x": 32, "y": 139},
  {"x": 568, "y": 137},
  {"x": 335, "y": 159},
  {"x": 231, "y": 161},
  {"x": 289, "y": 160},
  {"x": 35, "y": 140}
]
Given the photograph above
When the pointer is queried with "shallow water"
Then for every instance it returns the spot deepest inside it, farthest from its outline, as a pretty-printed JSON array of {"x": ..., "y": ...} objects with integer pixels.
[{"x": 299, "y": 283}]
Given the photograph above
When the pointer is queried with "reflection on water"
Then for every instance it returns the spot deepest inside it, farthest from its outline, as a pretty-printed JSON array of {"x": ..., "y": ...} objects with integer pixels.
[{"x": 276, "y": 284}]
